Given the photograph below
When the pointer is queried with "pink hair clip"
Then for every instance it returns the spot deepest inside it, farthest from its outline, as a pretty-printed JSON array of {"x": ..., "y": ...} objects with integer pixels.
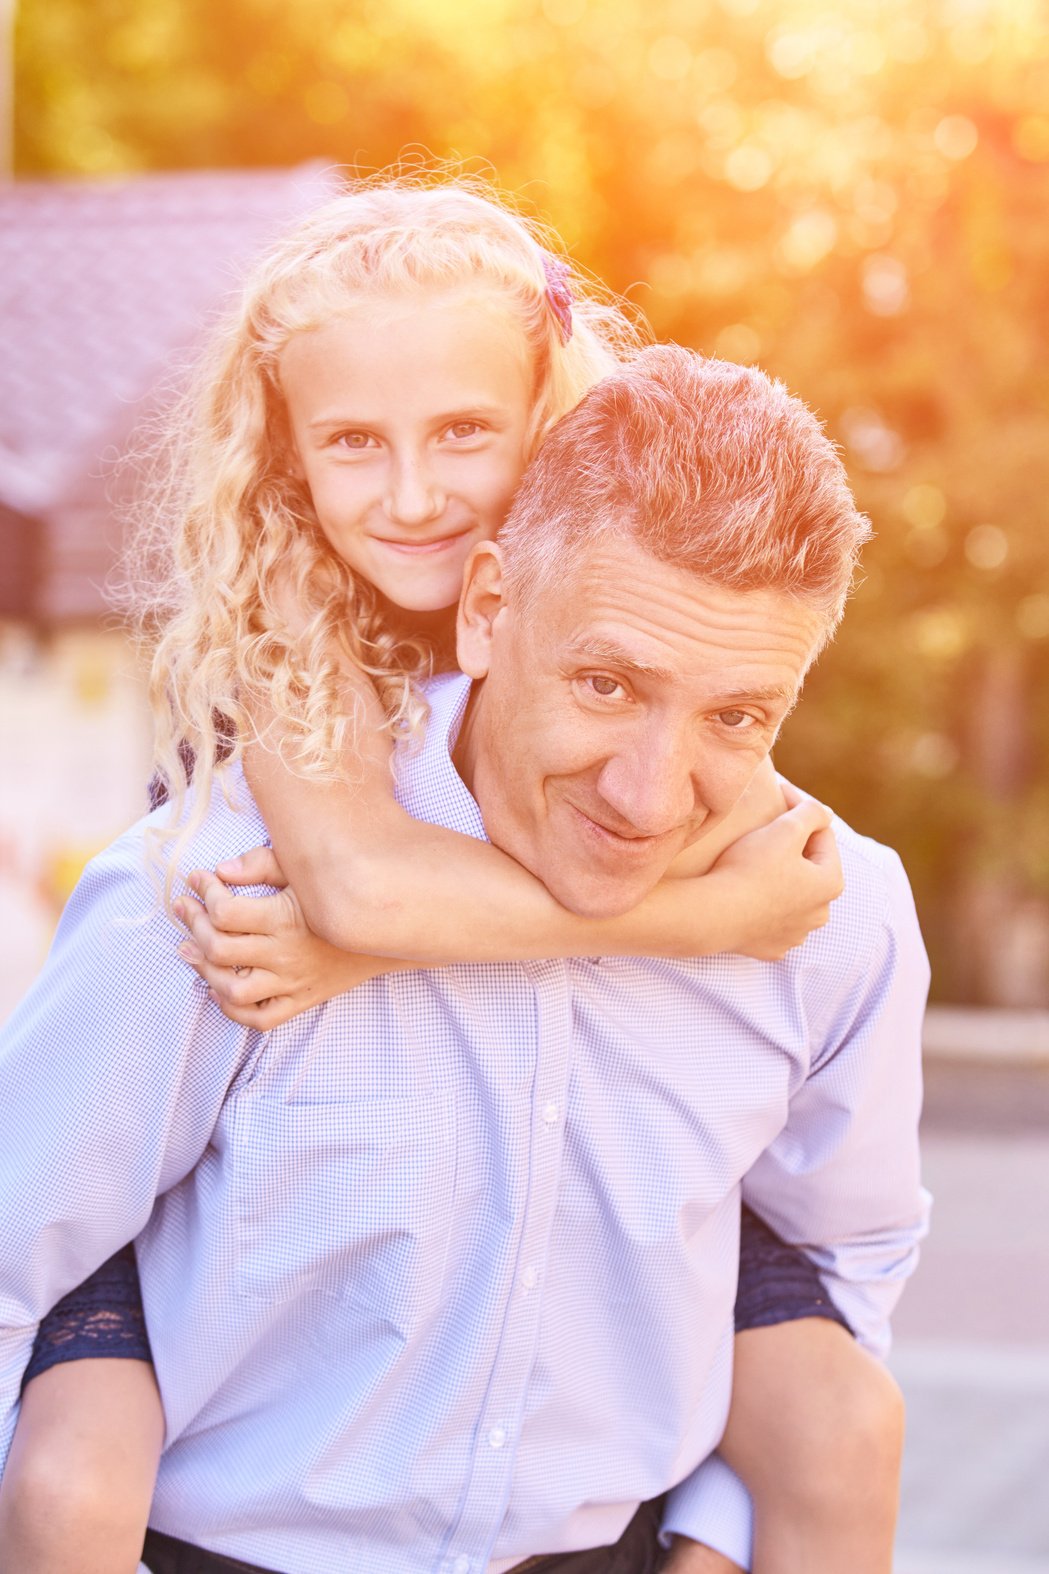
[{"x": 559, "y": 293}]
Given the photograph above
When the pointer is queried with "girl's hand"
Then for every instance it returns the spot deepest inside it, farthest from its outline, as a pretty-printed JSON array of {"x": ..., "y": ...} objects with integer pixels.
[
  {"x": 778, "y": 882},
  {"x": 261, "y": 962}
]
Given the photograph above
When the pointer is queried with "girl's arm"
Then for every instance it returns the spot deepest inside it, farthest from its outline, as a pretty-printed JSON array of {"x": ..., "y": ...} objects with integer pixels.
[
  {"x": 264, "y": 965},
  {"x": 370, "y": 878}
]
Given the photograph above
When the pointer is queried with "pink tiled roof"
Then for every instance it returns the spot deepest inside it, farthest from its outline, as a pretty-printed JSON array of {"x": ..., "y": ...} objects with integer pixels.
[{"x": 102, "y": 285}]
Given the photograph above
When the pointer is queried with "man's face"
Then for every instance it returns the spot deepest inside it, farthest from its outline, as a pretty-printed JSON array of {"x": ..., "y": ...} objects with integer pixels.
[{"x": 622, "y": 714}]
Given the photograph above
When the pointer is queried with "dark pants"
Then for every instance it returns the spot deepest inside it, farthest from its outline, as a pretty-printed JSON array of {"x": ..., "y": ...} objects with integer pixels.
[
  {"x": 636, "y": 1552},
  {"x": 166, "y": 1555}
]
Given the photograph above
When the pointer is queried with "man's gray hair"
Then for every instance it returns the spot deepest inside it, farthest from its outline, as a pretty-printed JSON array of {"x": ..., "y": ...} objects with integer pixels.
[{"x": 709, "y": 466}]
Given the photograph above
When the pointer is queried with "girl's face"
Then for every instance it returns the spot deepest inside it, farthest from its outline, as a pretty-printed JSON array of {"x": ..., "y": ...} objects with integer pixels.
[{"x": 409, "y": 418}]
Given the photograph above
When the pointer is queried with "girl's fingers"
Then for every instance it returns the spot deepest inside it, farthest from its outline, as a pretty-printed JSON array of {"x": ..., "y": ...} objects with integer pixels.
[
  {"x": 250, "y": 988},
  {"x": 808, "y": 825},
  {"x": 807, "y": 817},
  {"x": 823, "y": 857},
  {"x": 264, "y": 1017},
  {"x": 257, "y": 867},
  {"x": 822, "y": 848},
  {"x": 246, "y": 915},
  {"x": 215, "y": 946},
  {"x": 792, "y": 795},
  {"x": 794, "y": 798}
]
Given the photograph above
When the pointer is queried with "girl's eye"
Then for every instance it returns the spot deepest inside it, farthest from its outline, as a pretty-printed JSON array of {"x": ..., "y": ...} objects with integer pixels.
[
  {"x": 464, "y": 428},
  {"x": 354, "y": 440},
  {"x": 737, "y": 720}
]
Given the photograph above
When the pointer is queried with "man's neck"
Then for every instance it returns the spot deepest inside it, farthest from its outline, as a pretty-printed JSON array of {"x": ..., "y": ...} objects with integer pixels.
[{"x": 464, "y": 753}]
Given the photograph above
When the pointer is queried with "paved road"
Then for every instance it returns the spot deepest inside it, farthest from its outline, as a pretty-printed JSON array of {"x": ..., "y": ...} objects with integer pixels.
[{"x": 972, "y": 1351}]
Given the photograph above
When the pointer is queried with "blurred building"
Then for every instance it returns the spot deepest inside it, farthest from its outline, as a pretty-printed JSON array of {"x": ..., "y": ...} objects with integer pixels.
[{"x": 105, "y": 289}]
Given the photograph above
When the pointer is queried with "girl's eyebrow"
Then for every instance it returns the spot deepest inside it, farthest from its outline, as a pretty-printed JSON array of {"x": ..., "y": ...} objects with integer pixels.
[
  {"x": 466, "y": 412},
  {"x": 330, "y": 422}
]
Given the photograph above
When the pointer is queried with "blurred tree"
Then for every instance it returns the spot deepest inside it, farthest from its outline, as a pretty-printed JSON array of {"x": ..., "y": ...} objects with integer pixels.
[{"x": 856, "y": 195}]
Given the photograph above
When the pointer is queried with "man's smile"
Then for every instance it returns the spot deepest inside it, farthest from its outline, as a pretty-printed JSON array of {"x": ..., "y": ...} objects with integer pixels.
[{"x": 625, "y": 844}]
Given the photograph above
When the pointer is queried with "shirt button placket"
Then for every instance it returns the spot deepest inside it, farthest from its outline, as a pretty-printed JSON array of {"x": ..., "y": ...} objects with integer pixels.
[{"x": 494, "y": 1464}]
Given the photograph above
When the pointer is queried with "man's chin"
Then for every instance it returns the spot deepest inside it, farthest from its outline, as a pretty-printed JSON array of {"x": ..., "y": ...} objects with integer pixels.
[{"x": 597, "y": 897}]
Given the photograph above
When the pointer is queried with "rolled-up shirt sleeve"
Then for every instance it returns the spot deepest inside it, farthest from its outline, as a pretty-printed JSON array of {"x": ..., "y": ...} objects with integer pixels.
[
  {"x": 112, "y": 1074},
  {"x": 713, "y": 1506},
  {"x": 842, "y": 1179}
]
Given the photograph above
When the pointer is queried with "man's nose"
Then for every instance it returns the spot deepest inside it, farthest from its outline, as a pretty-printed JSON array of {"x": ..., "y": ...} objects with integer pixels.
[
  {"x": 413, "y": 495},
  {"x": 650, "y": 785}
]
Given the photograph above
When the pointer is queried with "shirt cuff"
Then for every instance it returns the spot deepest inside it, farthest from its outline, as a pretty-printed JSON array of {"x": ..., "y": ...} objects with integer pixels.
[{"x": 714, "y": 1507}]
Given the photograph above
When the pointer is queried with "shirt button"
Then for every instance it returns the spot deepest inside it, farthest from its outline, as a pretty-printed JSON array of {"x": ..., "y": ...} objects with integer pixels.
[
  {"x": 461, "y": 1566},
  {"x": 497, "y": 1437},
  {"x": 551, "y": 1114},
  {"x": 530, "y": 1278}
]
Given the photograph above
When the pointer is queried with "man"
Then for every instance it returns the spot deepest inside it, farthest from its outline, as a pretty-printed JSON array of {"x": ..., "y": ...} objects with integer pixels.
[{"x": 440, "y": 1276}]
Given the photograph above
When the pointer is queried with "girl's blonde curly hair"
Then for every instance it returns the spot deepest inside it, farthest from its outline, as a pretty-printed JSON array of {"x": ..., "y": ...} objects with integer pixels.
[{"x": 225, "y": 531}]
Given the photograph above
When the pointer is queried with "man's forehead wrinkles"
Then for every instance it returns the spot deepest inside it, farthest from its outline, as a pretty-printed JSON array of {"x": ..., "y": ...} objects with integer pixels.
[
  {"x": 634, "y": 637},
  {"x": 667, "y": 610}
]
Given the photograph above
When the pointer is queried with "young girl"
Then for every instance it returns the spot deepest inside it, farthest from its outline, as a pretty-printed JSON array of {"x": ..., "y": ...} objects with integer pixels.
[{"x": 358, "y": 425}]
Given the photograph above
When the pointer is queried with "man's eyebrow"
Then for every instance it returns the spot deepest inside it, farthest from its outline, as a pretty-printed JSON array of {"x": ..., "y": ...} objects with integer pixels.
[
  {"x": 769, "y": 696},
  {"x": 607, "y": 651}
]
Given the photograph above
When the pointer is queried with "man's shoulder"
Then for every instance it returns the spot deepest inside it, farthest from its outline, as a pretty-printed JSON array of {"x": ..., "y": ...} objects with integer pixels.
[
  {"x": 230, "y": 824},
  {"x": 113, "y": 970},
  {"x": 876, "y": 884},
  {"x": 121, "y": 892},
  {"x": 872, "y": 933}
]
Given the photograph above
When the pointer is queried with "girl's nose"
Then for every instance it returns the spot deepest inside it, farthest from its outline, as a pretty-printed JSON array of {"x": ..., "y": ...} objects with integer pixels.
[{"x": 413, "y": 497}]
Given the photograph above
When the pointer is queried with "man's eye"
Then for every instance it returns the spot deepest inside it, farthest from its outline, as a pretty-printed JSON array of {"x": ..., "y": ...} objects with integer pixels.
[
  {"x": 603, "y": 685},
  {"x": 737, "y": 720}
]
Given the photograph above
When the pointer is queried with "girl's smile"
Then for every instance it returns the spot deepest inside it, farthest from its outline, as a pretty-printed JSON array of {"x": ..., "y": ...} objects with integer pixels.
[
  {"x": 409, "y": 416},
  {"x": 419, "y": 548}
]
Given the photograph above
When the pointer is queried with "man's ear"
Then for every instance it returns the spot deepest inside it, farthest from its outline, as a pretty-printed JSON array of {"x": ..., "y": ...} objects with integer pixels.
[{"x": 480, "y": 604}]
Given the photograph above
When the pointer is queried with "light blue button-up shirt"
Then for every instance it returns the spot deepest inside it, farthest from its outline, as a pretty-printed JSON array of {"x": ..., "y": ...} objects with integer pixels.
[{"x": 440, "y": 1274}]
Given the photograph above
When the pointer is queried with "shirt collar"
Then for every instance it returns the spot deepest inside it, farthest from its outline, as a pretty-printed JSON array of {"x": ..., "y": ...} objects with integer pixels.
[{"x": 428, "y": 785}]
